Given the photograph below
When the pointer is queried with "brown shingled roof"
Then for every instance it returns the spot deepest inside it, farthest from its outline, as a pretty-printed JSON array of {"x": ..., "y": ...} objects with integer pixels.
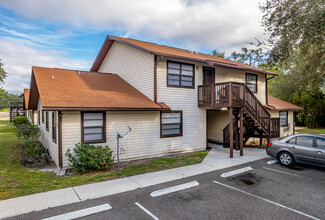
[
  {"x": 172, "y": 52},
  {"x": 26, "y": 98},
  {"x": 71, "y": 89},
  {"x": 278, "y": 104}
]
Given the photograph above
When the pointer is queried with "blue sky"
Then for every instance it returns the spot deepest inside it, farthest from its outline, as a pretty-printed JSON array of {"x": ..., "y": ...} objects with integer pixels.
[{"x": 69, "y": 33}]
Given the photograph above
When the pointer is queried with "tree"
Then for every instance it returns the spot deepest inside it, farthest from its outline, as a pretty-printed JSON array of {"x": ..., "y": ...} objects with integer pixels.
[
  {"x": 297, "y": 39},
  {"x": 217, "y": 53},
  {"x": 9, "y": 97},
  {"x": 297, "y": 36},
  {"x": 252, "y": 57},
  {"x": 3, "y": 75}
]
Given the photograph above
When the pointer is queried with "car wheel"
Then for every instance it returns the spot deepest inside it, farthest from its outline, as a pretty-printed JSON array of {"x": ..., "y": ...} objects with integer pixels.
[{"x": 286, "y": 159}]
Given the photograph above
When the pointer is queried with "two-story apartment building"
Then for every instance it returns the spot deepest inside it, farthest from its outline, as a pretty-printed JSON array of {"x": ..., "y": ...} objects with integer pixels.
[{"x": 174, "y": 100}]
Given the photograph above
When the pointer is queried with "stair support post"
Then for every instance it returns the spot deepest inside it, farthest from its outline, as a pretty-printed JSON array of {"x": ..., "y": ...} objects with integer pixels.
[
  {"x": 237, "y": 134},
  {"x": 231, "y": 133},
  {"x": 241, "y": 133}
]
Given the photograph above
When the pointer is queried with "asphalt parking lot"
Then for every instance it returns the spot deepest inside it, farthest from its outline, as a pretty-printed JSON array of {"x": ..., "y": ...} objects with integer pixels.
[{"x": 267, "y": 191}]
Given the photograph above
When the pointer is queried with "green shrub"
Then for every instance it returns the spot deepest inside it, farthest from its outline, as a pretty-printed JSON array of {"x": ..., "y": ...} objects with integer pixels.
[
  {"x": 34, "y": 152},
  {"x": 20, "y": 120},
  {"x": 27, "y": 130},
  {"x": 88, "y": 157}
]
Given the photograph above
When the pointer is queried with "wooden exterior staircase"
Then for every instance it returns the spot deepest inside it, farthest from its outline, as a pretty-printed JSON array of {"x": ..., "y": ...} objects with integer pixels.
[{"x": 247, "y": 115}]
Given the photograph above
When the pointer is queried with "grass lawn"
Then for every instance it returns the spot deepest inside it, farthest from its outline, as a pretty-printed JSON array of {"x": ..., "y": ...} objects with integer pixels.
[
  {"x": 311, "y": 130},
  {"x": 16, "y": 180}
]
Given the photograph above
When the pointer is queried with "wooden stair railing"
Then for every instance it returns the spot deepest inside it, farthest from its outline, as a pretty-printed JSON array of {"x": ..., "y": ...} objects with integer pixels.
[
  {"x": 226, "y": 133},
  {"x": 257, "y": 111},
  {"x": 237, "y": 95}
]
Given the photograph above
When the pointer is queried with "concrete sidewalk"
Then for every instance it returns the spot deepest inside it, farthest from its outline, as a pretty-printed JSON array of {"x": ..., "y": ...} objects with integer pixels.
[{"x": 215, "y": 160}]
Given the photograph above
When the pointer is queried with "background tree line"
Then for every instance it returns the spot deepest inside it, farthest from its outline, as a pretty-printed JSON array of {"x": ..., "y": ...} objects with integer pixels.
[
  {"x": 6, "y": 97},
  {"x": 295, "y": 50}
]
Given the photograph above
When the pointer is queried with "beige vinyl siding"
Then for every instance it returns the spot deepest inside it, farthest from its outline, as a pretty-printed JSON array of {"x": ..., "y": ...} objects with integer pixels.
[
  {"x": 287, "y": 130},
  {"x": 217, "y": 121},
  {"x": 71, "y": 132},
  {"x": 226, "y": 75},
  {"x": 133, "y": 65},
  {"x": 35, "y": 117},
  {"x": 46, "y": 137},
  {"x": 184, "y": 99},
  {"x": 30, "y": 116},
  {"x": 142, "y": 142}
]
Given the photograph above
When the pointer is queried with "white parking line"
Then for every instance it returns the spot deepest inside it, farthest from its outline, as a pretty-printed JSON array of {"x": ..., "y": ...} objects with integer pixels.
[
  {"x": 174, "y": 189},
  {"x": 235, "y": 172},
  {"x": 270, "y": 162},
  {"x": 279, "y": 171},
  {"x": 81, "y": 213},
  {"x": 267, "y": 200},
  {"x": 147, "y": 211}
]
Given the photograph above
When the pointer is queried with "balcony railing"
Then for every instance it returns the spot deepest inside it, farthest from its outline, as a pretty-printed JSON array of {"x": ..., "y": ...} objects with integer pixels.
[{"x": 237, "y": 95}]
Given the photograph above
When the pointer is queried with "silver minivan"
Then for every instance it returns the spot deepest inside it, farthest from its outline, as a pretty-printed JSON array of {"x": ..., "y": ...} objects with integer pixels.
[{"x": 298, "y": 148}]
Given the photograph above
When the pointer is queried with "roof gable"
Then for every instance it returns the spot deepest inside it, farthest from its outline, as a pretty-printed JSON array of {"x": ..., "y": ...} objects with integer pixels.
[
  {"x": 79, "y": 90},
  {"x": 172, "y": 52}
]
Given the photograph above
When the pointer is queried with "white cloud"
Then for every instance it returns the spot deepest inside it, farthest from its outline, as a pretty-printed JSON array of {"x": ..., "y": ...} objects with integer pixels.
[
  {"x": 224, "y": 24},
  {"x": 19, "y": 58}
]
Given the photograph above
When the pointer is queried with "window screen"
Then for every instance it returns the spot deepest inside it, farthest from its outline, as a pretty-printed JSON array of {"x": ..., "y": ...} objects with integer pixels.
[
  {"x": 38, "y": 117},
  {"x": 47, "y": 120},
  {"x": 180, "y": 74},
  {"x": 251, "y": 82},
  {"x": 54, "y": 127},
  {"x": 171, "y": 124},
  {"x": 93, "y": 127},
  {"x": 283, "y": 118}
]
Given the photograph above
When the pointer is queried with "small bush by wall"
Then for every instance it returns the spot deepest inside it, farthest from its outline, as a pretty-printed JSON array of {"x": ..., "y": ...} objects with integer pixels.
[
  {"x": 34, "y": 152},
  {"x": 86, "y": 157},
  {"x": 27, "y": 130},
  {"x": 20, "y": 120}
]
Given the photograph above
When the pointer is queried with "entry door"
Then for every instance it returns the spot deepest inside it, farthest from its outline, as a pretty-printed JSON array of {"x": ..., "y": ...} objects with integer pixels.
[
  {"x": 208, "y": 76},
  {"x": 320, "y": 151}
]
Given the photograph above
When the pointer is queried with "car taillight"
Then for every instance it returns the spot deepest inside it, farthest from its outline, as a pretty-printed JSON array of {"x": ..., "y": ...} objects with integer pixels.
[{"x": 269, "y": 144}]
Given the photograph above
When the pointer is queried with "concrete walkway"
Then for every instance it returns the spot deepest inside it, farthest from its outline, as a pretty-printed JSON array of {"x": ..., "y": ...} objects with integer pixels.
[{"x": 215, "y": 160}]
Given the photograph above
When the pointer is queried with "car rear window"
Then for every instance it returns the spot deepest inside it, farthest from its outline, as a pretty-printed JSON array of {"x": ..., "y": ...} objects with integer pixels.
[
  {"x": 292, "y": 141},
  {"x": 320, "y": 142},
  {"x": 305, "y": 141}
]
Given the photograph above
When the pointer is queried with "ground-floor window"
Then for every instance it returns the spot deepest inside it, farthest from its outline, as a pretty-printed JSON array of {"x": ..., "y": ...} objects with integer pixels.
[
  {"x": 283, "y": 118},
  {"x": 38, "y": 117},
  {"x": 93, "y": 127},
  {"x": 171, "y": 124},
  {"x": 54, "y": 127},
  {"x": 47, "y": 120}
]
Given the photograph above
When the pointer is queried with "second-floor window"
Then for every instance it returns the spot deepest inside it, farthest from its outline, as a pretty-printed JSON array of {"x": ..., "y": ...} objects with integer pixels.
[
  {"x": 180, "y": 75},
  {"x": 42, "y": 116},
  {"x": 251, "y": 82}
]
